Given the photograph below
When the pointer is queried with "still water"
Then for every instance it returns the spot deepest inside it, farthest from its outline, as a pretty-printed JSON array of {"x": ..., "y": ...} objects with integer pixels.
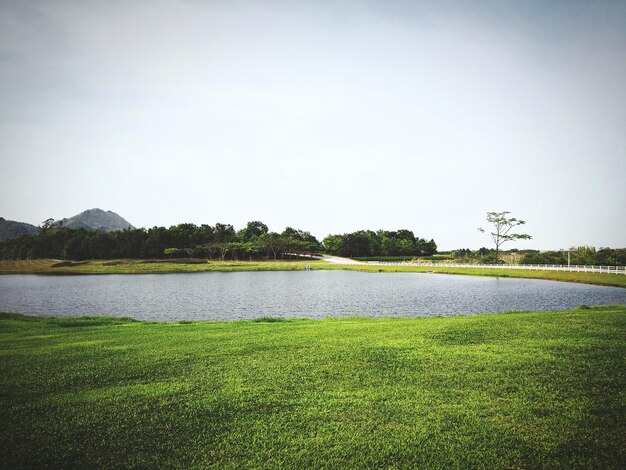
[{"x": 312, "y": 294}]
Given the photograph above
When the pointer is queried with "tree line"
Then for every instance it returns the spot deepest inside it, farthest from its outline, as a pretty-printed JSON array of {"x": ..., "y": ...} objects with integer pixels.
[
  {"x": 213, "y": 242},
  {"x": 582, "y": 255},
  {"x": 365, "y": 243},
  {"x": 219, "y": 241}
]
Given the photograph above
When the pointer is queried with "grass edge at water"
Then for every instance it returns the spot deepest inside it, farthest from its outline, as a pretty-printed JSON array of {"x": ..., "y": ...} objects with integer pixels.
[{"x": 178, "y": 266}]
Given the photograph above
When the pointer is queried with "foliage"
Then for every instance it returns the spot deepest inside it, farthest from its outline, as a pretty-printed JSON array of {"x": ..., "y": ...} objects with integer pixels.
[
  {"x": 546, "y": 257},
  {"x": 582, "y": 255},
  {"x": 252, "y": 231},
  {"x": 184, "y": 240},
  {"x": 502, "y": 225},
  {"x": 518, "y": 390},
  {"x": 219, "y": 242},
  {"x": 383, "y": 243},
  {"x": 197, "y": 265}
]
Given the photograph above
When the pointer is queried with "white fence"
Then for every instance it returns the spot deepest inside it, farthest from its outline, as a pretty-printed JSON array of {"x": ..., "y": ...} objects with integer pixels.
[{"x": 535, "y": 267}]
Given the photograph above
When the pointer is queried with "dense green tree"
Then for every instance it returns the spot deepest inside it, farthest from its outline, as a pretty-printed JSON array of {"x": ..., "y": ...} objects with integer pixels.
[
  {"x": 547, "y": 257},
  {"x": 129, "y": 243},
  {"x": 273, "y": 243},
  {"x": 430, "y": 248},
  {"x": 77, "y": 245},
  {"x": 333, "y": 244},
  {"x": 365, "y": 243},
  {"x": 224, "y": 233},
  {"x": 253, "y": 229},
  {"x": 101, "y": 245},
  {"x": 314, "y": 244},
  {"x": 204, "y": 234},
  {"x": 182, "y": 235},
  {"x": 583, "y": 255},
  {"x": 610, "y": 257}
]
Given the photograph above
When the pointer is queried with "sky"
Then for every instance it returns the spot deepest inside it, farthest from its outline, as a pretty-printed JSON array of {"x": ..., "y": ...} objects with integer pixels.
[{"x": 327, "y": 116}]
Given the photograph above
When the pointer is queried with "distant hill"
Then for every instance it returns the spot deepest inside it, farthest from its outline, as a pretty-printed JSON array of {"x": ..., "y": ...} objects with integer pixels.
[
  {"x": 12, "y": 229},
  {"x": 95, "y": 219}
]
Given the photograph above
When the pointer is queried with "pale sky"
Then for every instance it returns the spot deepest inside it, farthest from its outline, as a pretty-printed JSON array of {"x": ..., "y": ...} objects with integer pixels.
[{"x": 328, "y": 116}]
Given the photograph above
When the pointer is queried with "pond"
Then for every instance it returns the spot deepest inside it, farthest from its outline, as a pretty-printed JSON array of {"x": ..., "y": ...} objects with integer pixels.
[{"x": 289, "y": 294}]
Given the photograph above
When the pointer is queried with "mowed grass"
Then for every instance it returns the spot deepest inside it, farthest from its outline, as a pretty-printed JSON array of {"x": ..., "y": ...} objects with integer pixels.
[
  {"x": 616, "y": 280},
  {"x": 519, "y": 390},
  {"x": 179, "y": 266},
  {"x": 129, "y": 266}
]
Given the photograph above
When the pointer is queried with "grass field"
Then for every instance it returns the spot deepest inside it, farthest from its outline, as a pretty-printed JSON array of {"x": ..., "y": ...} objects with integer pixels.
[
  {"x": 617, "y": 280},
  {"x": 519, "y": 390},
  {"x": 129, "y": 266},
  {"x": 164, "y": 266}
]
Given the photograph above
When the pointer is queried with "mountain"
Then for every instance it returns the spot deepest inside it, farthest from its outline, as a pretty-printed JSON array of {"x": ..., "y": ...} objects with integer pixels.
[
  {"x": 12, "y": 229},
  {"x": 95, "y": 219}
]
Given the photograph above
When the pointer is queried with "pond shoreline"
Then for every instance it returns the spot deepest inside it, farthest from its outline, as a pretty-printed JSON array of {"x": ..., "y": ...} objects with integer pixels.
[
  {"x": 106, "y": 320},
  {"x": 126, "y": 266}
]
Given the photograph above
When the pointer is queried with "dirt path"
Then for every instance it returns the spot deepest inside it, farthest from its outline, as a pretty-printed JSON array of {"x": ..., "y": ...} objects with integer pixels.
[{"x": 339, "y": 260}]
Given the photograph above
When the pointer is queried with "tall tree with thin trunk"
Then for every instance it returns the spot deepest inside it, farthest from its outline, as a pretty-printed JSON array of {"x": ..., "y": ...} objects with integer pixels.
[{"x": 501, "y": 229}]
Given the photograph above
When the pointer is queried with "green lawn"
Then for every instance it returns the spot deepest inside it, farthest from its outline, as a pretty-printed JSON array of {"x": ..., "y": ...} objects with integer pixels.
[
  {"x": 616, "y": 280},
  {"x": 130, "y": 266},
  {"x": 44, "y": 266},
  {"x": 518, "y": 390}
]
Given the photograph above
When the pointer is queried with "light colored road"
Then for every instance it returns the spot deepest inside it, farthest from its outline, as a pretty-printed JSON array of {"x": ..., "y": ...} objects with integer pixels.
[
  {"x": 339, "y": 260},
  {"x": 534, "y": 267}
]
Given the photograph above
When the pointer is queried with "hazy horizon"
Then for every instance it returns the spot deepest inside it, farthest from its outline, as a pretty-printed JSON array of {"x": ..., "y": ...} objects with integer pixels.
[{"x": 327, "y": 117}]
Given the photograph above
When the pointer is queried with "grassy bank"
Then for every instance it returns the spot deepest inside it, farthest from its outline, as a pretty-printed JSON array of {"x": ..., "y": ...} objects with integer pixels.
[
  {"x": 48, "y": 266},
  {"x": 130, "y": 266},
  {"x": 616, "y": 280},
  {"x": 522, "y": 390}
]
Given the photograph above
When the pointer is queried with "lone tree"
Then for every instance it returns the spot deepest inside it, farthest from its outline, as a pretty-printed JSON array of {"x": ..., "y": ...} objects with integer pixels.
[
  {"x": 46, "y": 225},
  {"x": 502, "y": 226}
]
